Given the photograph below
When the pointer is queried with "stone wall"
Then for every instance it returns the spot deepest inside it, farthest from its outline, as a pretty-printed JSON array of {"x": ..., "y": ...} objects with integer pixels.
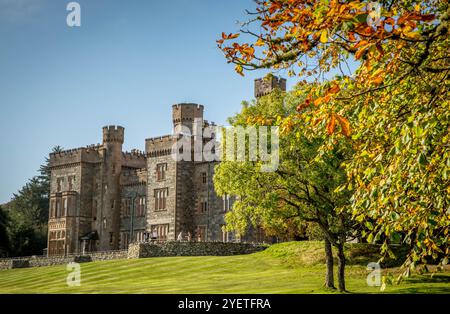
[
  {"x": 175, "y": 248},
  {"x": 39, "y": 261}
]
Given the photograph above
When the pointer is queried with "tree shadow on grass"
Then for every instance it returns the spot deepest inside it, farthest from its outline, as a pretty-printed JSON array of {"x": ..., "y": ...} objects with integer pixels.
[
  {"x": 419, "y": 281},
  {"x": 430, "y": 279},
  {"x": 423, "y": 290}
]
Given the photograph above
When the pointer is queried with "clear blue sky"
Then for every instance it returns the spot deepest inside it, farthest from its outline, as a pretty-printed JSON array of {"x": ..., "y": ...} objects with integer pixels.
[{"x": 127, "y": 64}]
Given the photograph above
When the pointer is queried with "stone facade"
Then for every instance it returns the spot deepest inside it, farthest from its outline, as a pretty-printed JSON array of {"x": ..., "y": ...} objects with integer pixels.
[
  {"x": 103, "y": 199},
  {"x": 264, "y": 86},
  {"x": 41, "y": 261},
  {"x": 139, "y": 250}
]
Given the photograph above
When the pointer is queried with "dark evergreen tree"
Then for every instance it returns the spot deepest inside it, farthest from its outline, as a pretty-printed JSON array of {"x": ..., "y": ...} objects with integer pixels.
[
  {"x": 28, "y": 212},
  {"x": 4, "y": 239}
]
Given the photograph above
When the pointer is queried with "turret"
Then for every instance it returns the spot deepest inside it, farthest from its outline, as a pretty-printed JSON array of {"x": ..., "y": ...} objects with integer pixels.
[
  {"x": 266, "y": 85},
  {"x": 188, "y": 115},
  {"x": 113, "y": 134},
  {"x": 108, "y": 223}
]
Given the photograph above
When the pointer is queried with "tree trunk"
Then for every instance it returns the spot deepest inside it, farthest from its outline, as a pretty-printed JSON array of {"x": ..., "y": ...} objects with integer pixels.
[
  {"x": 341, "y": 267},
  {"x": 329, "y": 279}
]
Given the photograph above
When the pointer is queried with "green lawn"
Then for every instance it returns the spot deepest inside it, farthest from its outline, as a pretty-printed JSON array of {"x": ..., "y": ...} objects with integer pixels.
[{"x": 294, "y": 267}]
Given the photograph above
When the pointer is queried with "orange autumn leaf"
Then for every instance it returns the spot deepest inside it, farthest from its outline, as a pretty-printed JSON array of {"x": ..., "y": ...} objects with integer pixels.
[
  {"x": 318, "y": 101},
  {"x": 360, "y": 52},
  {"x": 304, "y": 105},
  {"x": 345, "y": 125},
  {"x": 331, "y": 125},
  {"x": 377, "y": 80},
  {"x": 351, "y": 36},
  {"x": 229, "y": 36},
  {"x": 334, "y": 89}
]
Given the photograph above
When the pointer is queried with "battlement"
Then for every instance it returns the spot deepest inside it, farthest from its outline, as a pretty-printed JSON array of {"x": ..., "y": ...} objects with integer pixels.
[
  {"x": 134, "y": 154},
  {"x": 187, "y": 106},
  {"x": 207, "y": 123},
  {"x": 113, "y": 133},
  {"x": 134, "y": 177},
  {"x": 266, "y": 85},
  {"x": 134, "y": 159},
  {"x": 159, "y": 139},
  {"x": 90, "y": 153},
  {"x": 186, "y": 112}
]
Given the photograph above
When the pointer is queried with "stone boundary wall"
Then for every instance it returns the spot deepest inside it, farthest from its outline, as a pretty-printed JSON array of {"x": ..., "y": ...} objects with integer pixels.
[
  {"x": 140, "y": 250},
  {"x": 175, "y": 248},
  {"x": 39, "y": 261}
]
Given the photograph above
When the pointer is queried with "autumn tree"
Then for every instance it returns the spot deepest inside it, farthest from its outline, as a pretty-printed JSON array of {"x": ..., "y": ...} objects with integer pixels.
[
  {"x": 394, "y": 107},
  {"x": 302, "y": 188}
]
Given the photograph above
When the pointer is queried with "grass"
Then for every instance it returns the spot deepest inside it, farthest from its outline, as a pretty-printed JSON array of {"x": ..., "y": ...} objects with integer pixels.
[{"x": 294, "y": 267}]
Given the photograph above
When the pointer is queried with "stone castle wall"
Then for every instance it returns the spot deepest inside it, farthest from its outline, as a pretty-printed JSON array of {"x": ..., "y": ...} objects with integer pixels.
[
  {"x": 140, "y": 250},
  {"x": 41, "y": 261}
]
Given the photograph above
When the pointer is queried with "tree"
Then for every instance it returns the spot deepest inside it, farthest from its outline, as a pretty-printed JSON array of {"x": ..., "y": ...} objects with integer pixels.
[
  {"x": 394, "y": 107},
  {"x": 299, "y": 191},
  {"x": 4, "y": 241},
  {"x": 28, "y": 213}
]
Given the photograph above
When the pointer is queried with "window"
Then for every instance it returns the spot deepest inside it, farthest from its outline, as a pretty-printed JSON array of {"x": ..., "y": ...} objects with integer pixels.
[
  {"x": 139, "y": 236},
  {"x": 225, "y": 235},
  {"x": 203, "y": 207},
  {"x": 161, "y": 171},
  {"x": 70, "y": 181},
  {"x": 204, "y": 177},
  {"x": 126, "y": 207},
  {"x": 52, "y": 209},
  {"x": 160, "y": 232},
  {"x": 59, "y": 182},
  {"x": 201, "y": 233},
  {"x": 226, "y": 203},
  {"x": 161, "y": 198},
  {"x": 64, "y": 209},
  {"x": 58, "y": 208},
  {"x": 140, "y": 207}
]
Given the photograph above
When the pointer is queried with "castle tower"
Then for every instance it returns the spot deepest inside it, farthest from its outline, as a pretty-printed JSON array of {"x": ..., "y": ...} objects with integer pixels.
[
  {"x": 266, "y": 85},
  {"x": 108, "y": 225},
  {"x": 188, "y": 115}
]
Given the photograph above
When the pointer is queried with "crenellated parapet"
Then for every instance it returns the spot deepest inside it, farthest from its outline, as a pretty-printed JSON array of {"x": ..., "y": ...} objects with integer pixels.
[
  {"x": 88, "y": 154},
  {"x": 113, "y": 134},
  {"x": 159, "y": 146},
  {"x": 186, "y": 112},
  {"x": 134, "y": 154},
  {"x": 134, "y": 177},
  {"x": 134, "y": 159}
]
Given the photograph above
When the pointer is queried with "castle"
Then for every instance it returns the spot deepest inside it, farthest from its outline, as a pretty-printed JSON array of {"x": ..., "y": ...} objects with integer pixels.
[{"x": 103, "y": 199}]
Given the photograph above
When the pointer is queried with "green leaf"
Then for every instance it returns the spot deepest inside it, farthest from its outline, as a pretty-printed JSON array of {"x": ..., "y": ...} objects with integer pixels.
[
  {"x": 370, "y": 238},
  {"x": 422, "y": 159}
]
